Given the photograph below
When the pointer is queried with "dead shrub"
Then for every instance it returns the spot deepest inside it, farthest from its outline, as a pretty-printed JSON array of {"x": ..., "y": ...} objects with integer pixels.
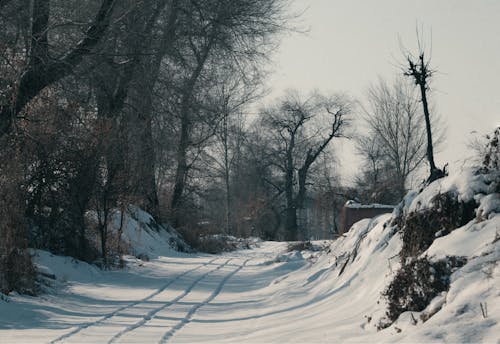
[
  {"x": 203, "y": 237},
  {"x": 115, "y": 247},
  {"x": 419, "y": 229},
  {"x": 191, "y": 234},
  {"x": 178, "y": 243},
  {"x": 17, "y": 272},
  {"x": 201, "y": 234},
  {"x": 59, "y": 160},
  {"x": 300, "y": 246},
  {"x": 491, "y": 160},
  {"x": 215, "y": 244},
  {"x": 416, "y": 284}
]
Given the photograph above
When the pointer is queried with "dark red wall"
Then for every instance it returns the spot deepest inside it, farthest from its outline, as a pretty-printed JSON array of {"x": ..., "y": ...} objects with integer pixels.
[{"x": 352, "y": 215}]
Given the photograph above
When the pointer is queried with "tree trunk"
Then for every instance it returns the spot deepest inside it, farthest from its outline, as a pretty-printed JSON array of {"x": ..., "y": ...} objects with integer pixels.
[
  {"x": 291, "y": 226},
  {"x": 226, "y": 174},
  {"x": 184, "y": 140},
  {"x": 141, "y": 148},
  {"x": 182, "y": 169},
  {"x": 430, "y": 150},
  {"x": 141, "y": 154},
  {"x": 81, "y": 188},
  {"x": 104, "y": 253}
]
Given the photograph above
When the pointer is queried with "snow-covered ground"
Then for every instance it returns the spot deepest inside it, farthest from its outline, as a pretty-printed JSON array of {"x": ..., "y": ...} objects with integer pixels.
[{"x": 268, "y": 295}]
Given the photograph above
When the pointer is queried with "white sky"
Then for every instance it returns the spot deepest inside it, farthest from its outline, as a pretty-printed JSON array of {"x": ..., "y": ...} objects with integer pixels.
[{"x": 352, "y": 42}]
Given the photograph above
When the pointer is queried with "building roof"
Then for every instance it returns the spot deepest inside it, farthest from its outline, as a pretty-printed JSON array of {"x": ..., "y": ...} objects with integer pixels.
[{"x": 355, "y": 205}]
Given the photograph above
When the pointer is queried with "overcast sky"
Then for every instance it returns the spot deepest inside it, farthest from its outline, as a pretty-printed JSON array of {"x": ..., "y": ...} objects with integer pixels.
[{"x": 351, "y": 43}]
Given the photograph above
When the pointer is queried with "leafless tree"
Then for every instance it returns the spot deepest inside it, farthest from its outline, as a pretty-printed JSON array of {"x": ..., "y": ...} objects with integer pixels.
[
  {"x": 231, "y": 98},
  {"x": 235, "y": 32},
  {"x": 302, "y": 130},
  {"x": 419, "y": 70},
  {"x": 394, "y": 146}
]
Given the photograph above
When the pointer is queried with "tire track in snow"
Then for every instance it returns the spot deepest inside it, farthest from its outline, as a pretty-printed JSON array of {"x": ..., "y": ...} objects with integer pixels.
[
  {"x": 168, "y": 335},
  {"x": 130, "y": 305},
  {"x": 167, "y": 304}
]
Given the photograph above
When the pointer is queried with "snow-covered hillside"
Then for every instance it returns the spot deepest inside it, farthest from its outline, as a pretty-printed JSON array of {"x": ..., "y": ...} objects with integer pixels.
[
  {"x": 270, "y": 295},
  {"x": 144, "y": 237}
]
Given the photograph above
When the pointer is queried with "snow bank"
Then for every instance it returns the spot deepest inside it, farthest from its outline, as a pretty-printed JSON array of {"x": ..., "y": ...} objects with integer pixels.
[
  {"x": 145, "y": 237},
  {"x": 470, "y": 310},
  {"x": 466, "y": 185},
  {"x": 343, "y": 288}
]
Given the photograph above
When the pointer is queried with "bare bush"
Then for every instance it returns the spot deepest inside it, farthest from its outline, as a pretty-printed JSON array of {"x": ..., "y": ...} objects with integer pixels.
[
  {"x": 216, "y": 244},
  {"x": 416, "y": 284},
  {"x": 204, "y": 238},
  {"x": 300, "y": 246},
  {"x": 59, "y": 173},
  {"x": 419, "y": 229},
  {"x": 492, "y": 154}
]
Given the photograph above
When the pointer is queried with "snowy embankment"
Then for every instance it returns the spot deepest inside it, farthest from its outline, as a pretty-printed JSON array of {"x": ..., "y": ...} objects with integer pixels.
[
  {"x": 144, "y": 237},
  {"x": 268, "y": 295}
]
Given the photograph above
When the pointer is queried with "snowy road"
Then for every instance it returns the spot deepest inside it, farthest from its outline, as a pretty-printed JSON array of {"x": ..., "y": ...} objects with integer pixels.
[
  {"x": 160, "y": 315},
  {"x": 174, "y": 299},
  {"x": 263, "y": 295}
]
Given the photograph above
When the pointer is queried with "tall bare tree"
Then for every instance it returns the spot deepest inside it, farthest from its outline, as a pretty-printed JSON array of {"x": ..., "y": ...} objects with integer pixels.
[
  {"x": 231, "y": 97},
  {"x": 420, "y": 72},
  {"x": 302, "y": 130}
]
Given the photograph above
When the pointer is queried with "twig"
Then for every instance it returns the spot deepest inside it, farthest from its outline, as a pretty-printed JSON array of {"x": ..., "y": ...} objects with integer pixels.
[
  {"x": 484, "y": 309},
  {"x": 413, "y": 320}
]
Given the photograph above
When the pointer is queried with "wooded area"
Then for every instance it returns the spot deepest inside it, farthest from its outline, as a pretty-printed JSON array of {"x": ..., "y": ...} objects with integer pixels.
[{"x": 104, "y": 104}]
